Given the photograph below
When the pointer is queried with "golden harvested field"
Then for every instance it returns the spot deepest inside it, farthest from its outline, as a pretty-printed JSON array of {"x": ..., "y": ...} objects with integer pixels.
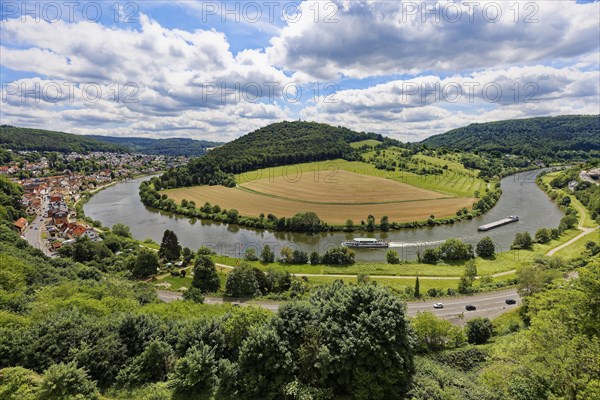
[
  {"x": 340, "y": 187},
  {"x": 344, "y": 195}
]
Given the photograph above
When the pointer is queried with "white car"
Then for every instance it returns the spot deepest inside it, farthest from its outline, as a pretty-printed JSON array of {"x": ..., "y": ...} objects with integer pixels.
[{"x": 438, "y": 305}]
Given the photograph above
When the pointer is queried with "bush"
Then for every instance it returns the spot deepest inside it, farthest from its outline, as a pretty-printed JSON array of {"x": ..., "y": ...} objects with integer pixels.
[
  {"x": 455, "y": 249},
  {"x": 242, "y": 282},
  {"x": 315, "y": 258},
  {"x": 485, "y": 247},
  {"x": 392, "y": 257},
  {"x": 479, "y": 330},
  {"x": 542, "y": 236},
  {"x": 193, "y": 294},
  {"x": 67, "y": 382},
  {"x": 338, "y": 256},
  {"x": 522, "y": 241},
  {"x": 431, "y": 256}
]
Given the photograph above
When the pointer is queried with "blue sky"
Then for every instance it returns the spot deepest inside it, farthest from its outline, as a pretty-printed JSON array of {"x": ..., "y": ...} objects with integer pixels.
[{"x": 215, "y": 70}]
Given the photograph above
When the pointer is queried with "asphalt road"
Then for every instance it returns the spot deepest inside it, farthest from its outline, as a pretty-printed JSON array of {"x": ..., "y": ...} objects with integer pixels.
[
  {"x": 33, "y": 233},
  {"x": 488, "y": 305}
]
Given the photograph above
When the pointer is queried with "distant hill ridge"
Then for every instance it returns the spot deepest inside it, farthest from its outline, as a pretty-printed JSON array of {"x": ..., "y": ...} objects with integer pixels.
[
  {"x": 44, "y": 140},
  {"x": 276, "y": 144},
  {"x": 563, "y": 137}
]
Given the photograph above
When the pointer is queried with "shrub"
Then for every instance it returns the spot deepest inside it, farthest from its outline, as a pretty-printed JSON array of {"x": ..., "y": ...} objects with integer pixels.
[
  {"x": 485, "y": 247},
  {"x": 392, "y": 257},
  {"x": 479, "y": 330}
]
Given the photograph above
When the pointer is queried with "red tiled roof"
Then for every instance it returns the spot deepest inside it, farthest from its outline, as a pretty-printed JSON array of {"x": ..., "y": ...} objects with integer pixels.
[{"x": 20, "y": 223}]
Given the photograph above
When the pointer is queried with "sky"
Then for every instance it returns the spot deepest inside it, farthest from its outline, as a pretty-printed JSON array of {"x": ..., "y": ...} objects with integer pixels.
[{"x": 217, "y": 70}]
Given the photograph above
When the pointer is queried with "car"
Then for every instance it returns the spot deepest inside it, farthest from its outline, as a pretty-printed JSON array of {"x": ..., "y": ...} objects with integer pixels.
[
  {"x": 511, "y": 301},
  {"x": 438, "y": 305},
  {"x": 470, "y": 307}
]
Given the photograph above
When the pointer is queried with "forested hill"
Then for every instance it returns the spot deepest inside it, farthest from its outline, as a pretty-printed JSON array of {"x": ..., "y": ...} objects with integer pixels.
[
  {"x": 276, "y": 144},
  {"x": 42, "y": 140},
  {"x": 551, "y": 138},
  {"x": 168, "y": 147}
]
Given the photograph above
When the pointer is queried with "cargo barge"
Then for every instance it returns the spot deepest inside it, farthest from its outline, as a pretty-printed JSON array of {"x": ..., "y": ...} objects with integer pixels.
[
  {"x": 492, "y": 225},
  {"x": 366, "y": 243}
]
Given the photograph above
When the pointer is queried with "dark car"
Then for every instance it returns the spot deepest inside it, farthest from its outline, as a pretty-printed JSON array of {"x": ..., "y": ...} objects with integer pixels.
[
  {"x": 471, "y": 307},
  {"x": 511, "y": 301}
]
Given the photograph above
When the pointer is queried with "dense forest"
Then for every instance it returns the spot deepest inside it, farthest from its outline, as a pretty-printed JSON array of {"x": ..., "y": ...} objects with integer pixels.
[
  {"x": 276, "y": 144},
  {"x": 563, "y": 138},
  {"x": 42, "y": 140},
  {"x": 167, "y": 147}
]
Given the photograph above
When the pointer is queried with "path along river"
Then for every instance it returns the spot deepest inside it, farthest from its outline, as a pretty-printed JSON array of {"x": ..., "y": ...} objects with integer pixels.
[{"x": 521, "y": 196}]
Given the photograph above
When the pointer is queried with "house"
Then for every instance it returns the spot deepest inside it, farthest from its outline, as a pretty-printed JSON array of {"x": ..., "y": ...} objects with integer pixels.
[
  {"x": 56, "y": 197},
  {"x": 21, "y": 224},
  {"x": 60, "y": 217}
]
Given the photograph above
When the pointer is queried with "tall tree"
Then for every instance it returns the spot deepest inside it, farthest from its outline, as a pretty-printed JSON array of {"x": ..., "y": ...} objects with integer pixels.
[
  {"x": 145, "y": 264},
  {"x": 169, "y": 248},
  {"x": 417, "y": 288},
  {"x": 205, "y": 275}
]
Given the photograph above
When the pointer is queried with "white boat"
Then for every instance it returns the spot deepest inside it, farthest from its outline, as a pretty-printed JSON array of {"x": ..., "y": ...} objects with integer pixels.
[{"x": 366, "y": 243}]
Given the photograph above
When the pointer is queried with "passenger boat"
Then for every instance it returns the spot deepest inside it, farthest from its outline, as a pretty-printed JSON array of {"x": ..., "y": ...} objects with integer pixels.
[{"x": 366, "y": 243}]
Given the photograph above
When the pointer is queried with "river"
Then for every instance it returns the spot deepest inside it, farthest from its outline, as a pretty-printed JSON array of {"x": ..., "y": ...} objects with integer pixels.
[{"x": 521, "y": 196}]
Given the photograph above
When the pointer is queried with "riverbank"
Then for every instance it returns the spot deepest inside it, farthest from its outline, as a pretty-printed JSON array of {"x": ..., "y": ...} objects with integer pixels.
[{"x": 121, "y": 203}]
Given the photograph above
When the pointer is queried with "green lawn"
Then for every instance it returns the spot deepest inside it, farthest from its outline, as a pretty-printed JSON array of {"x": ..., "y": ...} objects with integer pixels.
[
  {"x": 588, "y": 222},
  {"x": 368, "y": 142},
  {"x": 576, "y": 249}
]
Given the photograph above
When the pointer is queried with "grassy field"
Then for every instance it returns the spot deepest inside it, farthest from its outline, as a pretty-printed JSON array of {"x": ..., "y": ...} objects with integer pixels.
[
  {"x": 576, "y": 249},
  {"x": 337, "y": 191},
  {"x": 340, "y": 187},
  {"x": 585, "y": 217},
  {"x": 368, "y": 142}
]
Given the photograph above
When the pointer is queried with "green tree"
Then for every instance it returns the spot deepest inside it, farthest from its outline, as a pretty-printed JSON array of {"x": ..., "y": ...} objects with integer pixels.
[
  {"x": 338, "y": 256},
  {"x": 18, "y": 383},
  {"x": 267, "y": 255},
  {"x": 314, "y": 258},
  {"x": 193, "y": 294},
  {"x": 67, "y": 382},
  {"x": 122, "y": 230},
  {"x": 241, "y": 282},
  {"x": 455, "y": 249},
  {"x": 479, "y": 330},
  {"x": 145, "y": 264},
  {"x": 431, "y": 256},
  {"x": 370, "y": 223},
  {"x": 522, "y": 241},
  {"x": 205, "y": 275},
  {"x": 287, "y": 255},
  {"x": 153, "y": 365},
  {"x": 434, "y": 334},
  {"x": 417, "y": 288},
  {"x": 384, "y": 224},
  {"x": 485, "y": 247},
  {"x": 392, "y": 257},
  {"x": 169, "y": 247},
  {"x": 349, "y": 227},
  {"x": 196, "y": 372},
  {"x": 542, "y": 236},
  {"x": 250, "y": 254}
]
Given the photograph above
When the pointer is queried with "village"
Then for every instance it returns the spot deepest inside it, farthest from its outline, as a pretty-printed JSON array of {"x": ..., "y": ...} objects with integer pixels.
[{"x": 50, "y": 197}]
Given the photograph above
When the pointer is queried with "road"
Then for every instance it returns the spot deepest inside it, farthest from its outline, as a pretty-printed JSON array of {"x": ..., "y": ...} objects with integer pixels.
[
  {"x": 488, "y": 305},
  {"x": 33, "y": 233}
]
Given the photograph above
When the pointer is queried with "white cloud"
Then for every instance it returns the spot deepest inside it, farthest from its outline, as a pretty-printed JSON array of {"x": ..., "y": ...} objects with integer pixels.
[
  {"x": 411, "y": 110},
  {"x": 379, "y": 38}
]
